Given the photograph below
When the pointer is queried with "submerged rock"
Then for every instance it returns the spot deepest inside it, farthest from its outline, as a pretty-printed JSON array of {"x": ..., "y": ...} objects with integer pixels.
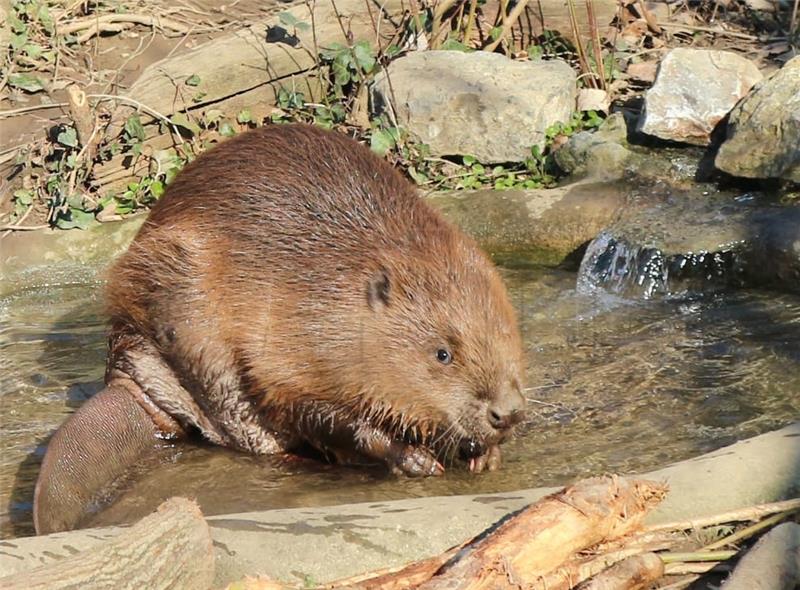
[
  {"x": 538, "y": 226},
  {"x": 694, "y": 90},
  {"x": 775, "y": 249},
  {"x": 479, "y": 104},
  {"x": 764, "y": 129}
]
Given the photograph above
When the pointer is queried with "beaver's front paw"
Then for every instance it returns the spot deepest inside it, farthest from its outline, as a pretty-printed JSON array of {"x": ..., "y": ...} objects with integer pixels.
[
  {"x": 488, "y": 461},
  {"x": 416, "y": 462}
]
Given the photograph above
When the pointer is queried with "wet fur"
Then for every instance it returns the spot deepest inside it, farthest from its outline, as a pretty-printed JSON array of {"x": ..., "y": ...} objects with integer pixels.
[{"x": 291, "y": 287}]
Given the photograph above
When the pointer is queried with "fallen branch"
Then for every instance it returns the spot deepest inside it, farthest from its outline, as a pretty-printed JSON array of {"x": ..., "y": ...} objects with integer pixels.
[
  {"x": 713, "y": 30},
  {"x": 108, "y": 22}
]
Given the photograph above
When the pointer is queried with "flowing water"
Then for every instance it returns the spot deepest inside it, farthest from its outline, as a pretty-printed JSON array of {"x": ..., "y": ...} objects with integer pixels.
[{"x": 614, "y": 385}]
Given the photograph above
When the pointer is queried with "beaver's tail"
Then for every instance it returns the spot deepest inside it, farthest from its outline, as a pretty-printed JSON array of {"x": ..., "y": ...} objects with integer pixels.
[{"x": 95, "y": 446}]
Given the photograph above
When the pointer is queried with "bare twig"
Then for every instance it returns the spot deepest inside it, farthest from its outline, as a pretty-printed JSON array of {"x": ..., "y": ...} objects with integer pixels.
[
  {"x": 576, "y": 32},
  {"x": 722, "y": 32},
  {"x": 679, "y": 569},
  {"x": 143, "y": 107},
  {"x": 95, "y": 22},
  {"x": 750, "y": 530},
  {"x": 439, "y": 10},
  {"x": 18, "y": 225},
  {"x": 596, "y": 47},
  {"x": 473, "y": 7},
  {"x": 743, "y": 514},
  {"x": 510, "y": 21},
  {"x": 693, "y": 556},
  {"x": 29, "y": 109}
]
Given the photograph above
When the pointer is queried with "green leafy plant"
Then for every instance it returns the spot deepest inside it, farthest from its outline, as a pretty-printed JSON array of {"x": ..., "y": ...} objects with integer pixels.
[
  {"x": 33, "y": 45},
  {"x": 348, "y": 65}
]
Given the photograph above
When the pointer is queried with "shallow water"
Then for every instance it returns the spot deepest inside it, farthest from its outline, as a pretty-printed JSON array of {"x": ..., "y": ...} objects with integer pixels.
[{"x": 614, "y": 386}]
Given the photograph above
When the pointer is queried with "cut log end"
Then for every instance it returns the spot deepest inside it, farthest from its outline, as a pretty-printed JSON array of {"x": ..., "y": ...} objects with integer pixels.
[{"x": 170, "y": 548}]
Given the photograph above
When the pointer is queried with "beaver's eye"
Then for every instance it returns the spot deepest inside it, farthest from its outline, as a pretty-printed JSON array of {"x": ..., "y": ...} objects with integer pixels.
[{"x": 443, "y": 356}]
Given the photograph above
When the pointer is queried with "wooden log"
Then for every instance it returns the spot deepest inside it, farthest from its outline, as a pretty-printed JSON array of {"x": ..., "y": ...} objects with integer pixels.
[
  {"x": 632, "y": 573},
  {"x": 547, "y": 533},
  {"x": 553, "y": 15},
  {"x": 171, "y": 548},
  {"x": 772, "y": 564}
]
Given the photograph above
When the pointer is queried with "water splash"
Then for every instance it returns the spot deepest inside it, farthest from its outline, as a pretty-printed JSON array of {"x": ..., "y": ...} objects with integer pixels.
[{"x": 643, "y": 271}]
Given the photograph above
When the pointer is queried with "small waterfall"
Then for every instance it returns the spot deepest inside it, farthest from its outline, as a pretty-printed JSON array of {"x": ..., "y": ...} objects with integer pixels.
[{"x": 643, "y": 271}]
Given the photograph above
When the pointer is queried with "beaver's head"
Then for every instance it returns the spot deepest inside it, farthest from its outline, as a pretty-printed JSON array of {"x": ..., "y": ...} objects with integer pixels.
[{"x": 440, "y": 350}]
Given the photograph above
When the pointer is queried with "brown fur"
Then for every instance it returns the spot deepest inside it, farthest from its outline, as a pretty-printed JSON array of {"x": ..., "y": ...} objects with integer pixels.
[{"x": 292, "y": 287}]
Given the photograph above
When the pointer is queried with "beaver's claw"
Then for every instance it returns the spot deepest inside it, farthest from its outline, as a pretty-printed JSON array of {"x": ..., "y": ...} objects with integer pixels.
[
  {"x": 489, "y": 461},
  {"x": 416, "y": 462}
]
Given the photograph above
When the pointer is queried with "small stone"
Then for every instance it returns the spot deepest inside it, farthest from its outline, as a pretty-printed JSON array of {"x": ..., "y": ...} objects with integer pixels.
[
  {"x": 644, "y": 71},
  {"x": 763, "y": 135},
  {"x": 593, "y": 99},
  {"x": 601, "y": 155},
  {"x": 694, "y": 90},
  {"x": 762, "y": 5},
  {"x": 479, "y": 104},
  {"x": 660, "y": 10}
]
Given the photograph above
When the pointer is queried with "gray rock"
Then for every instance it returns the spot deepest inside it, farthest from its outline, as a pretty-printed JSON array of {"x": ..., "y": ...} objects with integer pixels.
[
  {"x": 479, "y": 104},
  {"x": 765, "y": 5},
  {"x": 775, "y": 249},
  {"x": 694, "y": 90},
  {"x": 764, "y": 129},
  {"x": 602, "y": 155}
]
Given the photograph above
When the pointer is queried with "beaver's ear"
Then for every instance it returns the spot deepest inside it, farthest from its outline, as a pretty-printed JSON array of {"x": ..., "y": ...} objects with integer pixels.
[{"x": 379, "y": 288}]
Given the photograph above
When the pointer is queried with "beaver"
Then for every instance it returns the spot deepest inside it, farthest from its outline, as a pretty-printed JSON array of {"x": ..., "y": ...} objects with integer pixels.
[{"x": 291, "y": 288}]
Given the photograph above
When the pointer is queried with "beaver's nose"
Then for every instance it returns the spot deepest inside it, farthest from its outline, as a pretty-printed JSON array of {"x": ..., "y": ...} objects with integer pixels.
[{"x": 504, "y": 413}]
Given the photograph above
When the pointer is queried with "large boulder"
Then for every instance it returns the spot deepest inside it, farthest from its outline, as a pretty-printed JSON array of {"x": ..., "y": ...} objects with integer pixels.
[
  {"x": 479, "y": 104},
  {"x": 694, "y": 90},
  {"x": 764, "y": 129}
]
